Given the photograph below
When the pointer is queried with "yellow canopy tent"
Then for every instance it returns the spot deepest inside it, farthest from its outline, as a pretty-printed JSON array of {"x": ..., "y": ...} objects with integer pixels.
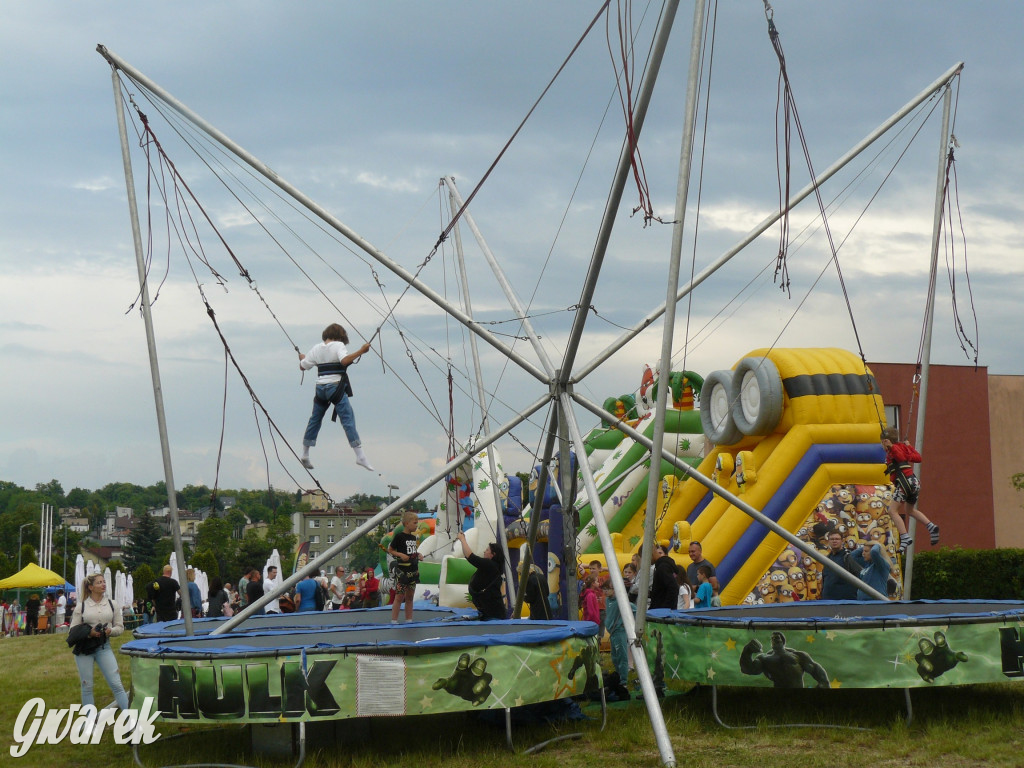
[{"x": 32, "y": 576}]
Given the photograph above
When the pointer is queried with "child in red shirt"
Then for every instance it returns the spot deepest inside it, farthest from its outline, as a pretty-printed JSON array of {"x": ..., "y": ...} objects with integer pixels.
[{"x": 899, "y": 463}]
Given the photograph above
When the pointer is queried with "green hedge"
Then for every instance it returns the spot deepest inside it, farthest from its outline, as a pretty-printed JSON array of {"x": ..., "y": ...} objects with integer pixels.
[{"x": 969, "y": 574}]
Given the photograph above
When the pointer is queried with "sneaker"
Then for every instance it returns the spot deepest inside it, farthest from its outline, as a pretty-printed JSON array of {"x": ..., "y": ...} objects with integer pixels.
[
  {"x": 306, "y": 462},
  {"x": 933, "y": 531},
  {"x": 362, "y": 461}
]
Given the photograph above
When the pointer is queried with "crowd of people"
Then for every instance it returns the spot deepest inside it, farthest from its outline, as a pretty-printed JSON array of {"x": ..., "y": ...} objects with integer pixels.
[
  {"x": 670, "y": 586},
  {"x": 39, "y": 614},
  {"x": 314, "y": 593}
]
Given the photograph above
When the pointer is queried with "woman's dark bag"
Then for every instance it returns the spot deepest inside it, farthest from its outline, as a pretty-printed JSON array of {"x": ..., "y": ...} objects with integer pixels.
[{"x": 80, "y": 641}]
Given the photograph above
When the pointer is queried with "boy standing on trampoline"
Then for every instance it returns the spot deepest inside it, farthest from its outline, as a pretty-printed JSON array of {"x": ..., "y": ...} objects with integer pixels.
[
  {"x": 406, "y": 566},
  {"x": 899, "y": 463},
  {"x": 331, "y": 358}
]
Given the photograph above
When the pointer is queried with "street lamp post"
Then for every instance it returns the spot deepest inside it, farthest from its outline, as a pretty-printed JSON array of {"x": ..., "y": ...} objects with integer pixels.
[
  {"x": 23, "y": 527},
  {"x": 383, "y": 528},
  {"x": 26, "y": 525},
  {"x": 391, "y": 489}
]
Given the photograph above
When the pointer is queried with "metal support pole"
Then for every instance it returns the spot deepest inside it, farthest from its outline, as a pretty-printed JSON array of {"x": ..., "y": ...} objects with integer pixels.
[
  {"x": 535, "y": 511},
  {"x": 154, "y": 363},
  {"x": 49, "y": 537},
  {"x": 42, "y": 535},
  {"x": 568, "y": 554},
  {"x": 929, "y": 314},
  {"x": 492, "y": 468},
  {"x": 643, "y": 671},
  {"x": 672, "y": 285}
]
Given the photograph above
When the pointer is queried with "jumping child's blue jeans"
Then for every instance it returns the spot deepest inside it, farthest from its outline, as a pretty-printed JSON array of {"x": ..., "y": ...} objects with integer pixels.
[{"x": 324, "y": 393}]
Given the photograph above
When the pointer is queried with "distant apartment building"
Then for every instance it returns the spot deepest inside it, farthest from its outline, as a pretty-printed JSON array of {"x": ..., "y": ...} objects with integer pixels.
[
  {"x": 316, "y": 499},
  {"x": 123, "y": 527},
  {"x": 323, "y": 528},
  {"x": 77, "y": 524},
  {"x": 188, "y": 525},
  {"x": 105, "y": 550}
]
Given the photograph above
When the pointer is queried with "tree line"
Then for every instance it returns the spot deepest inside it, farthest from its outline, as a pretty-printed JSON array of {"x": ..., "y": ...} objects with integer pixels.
[{"x": 222, "y": 546}]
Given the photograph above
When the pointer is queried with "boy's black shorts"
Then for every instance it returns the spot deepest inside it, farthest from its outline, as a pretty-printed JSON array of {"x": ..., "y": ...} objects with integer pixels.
[
  {"x": 906, "y": 488},
  {"x": 407, "y": 578}
]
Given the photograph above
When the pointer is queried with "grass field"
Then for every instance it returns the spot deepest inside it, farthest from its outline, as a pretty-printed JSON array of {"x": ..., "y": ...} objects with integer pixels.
[{"x": 965, "y": 726}]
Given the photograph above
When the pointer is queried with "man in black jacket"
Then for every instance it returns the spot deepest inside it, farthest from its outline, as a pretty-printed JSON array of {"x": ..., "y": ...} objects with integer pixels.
[{"x": 834, "y": 586}]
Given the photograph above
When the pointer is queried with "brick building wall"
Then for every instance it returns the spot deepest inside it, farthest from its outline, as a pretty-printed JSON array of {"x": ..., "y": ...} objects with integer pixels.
[{"x": 956, "y": 474}]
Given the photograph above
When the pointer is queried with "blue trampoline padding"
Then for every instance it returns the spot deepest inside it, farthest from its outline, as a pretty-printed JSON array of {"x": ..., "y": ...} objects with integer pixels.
[
  {"x": 422, "y": 611},
  {"x": 411, "y": 636},
  {"x": 846, "y": 613}
]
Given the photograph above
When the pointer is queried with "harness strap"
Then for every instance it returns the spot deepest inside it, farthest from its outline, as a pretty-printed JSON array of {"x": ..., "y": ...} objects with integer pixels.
[
  {"x": 344, "y": 387},
  {"x": 330, "y": 369}
]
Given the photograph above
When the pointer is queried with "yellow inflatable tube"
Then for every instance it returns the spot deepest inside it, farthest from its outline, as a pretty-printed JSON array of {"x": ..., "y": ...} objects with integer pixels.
[{"x": 775, "y": 458}]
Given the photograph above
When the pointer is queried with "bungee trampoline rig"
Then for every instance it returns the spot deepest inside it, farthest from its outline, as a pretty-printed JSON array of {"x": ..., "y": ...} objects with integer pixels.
[{"x": 256, "y": 670}]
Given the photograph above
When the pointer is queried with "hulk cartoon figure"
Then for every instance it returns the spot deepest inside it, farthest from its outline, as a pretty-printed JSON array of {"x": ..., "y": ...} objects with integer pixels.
[
  {"x": 936, "y": 658},
  {"x": 590, "y": 662},
  {"x": 469, "y": 681}
]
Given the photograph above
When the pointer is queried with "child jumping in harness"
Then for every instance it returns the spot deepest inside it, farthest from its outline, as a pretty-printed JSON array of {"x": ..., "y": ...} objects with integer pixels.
[
  {"x": 331, "y": 358},
  {"x": 900, "y": 458}
]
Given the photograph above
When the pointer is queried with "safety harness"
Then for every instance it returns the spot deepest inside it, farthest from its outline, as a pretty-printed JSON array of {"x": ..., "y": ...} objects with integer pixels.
[
  {"x": 900, "y": 478},
  {"x": 343, "y": 388}
]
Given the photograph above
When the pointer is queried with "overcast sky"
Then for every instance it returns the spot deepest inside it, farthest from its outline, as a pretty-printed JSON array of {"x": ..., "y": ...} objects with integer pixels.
[{"x": 364, "y": 107}]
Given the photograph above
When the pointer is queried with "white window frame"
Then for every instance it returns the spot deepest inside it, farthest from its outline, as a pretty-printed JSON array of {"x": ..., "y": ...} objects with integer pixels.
[{"x": 893, "y": 417}]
